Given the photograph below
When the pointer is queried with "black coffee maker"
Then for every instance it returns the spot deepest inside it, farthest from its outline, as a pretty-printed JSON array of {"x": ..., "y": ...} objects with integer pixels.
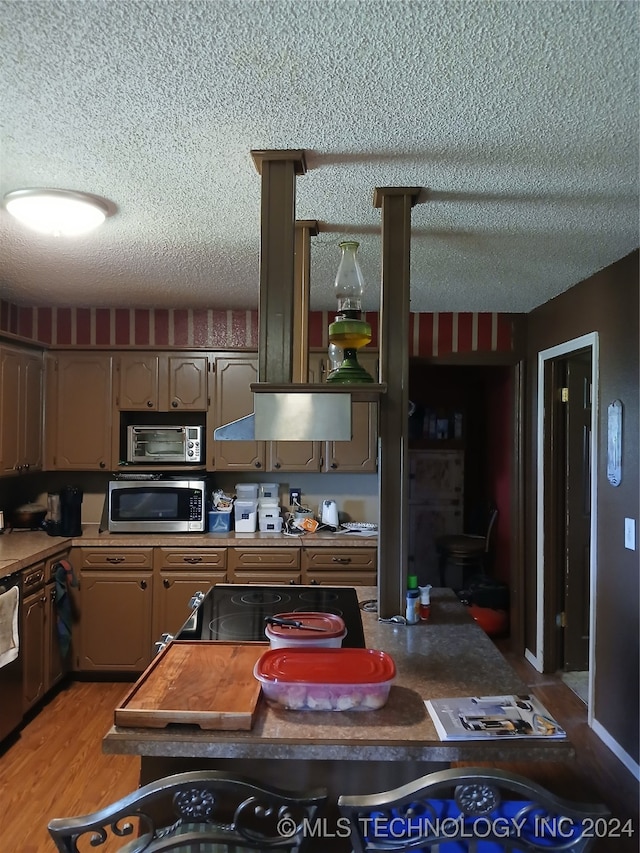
[{"x": 70, "y": 511}]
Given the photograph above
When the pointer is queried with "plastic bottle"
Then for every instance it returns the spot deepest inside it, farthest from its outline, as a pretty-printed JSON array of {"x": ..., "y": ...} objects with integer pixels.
[
  {"x": 413, "y": 601},
  {"x": 425, "y": 602}
]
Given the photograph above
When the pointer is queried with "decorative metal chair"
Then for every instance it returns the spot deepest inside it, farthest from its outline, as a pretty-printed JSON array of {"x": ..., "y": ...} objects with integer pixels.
[
  {"x": 205, "y": 811},
  {"x": 468, "y": 551},
  {"x": 470, "y": 810}
]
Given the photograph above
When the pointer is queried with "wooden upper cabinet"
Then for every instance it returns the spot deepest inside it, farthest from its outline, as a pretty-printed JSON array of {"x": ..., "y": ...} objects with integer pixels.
[
  {"x": 20, "y": 410},
  {"x": 360, "y": 454},
  {"x": 78, "y": 410},
  {"x": 232, "y": 399},
  {"x": 163, "y": 382}
]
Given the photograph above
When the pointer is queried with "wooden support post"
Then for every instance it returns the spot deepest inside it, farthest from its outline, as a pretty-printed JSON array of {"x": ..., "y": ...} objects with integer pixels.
[
  {"x": 305, "y": 230},
  {"x": 278, "y": 170},
  {"x": 393, "y": 332}
]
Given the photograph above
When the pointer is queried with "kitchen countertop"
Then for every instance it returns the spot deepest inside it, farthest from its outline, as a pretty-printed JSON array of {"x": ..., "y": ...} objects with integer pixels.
[
  {"x": 448, "y": 656},
  {"x": 21, "y": 548}
]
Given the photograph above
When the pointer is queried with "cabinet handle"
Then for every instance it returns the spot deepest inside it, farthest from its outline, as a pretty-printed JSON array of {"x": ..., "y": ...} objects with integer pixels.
[
  {"x": 314, "y": 581},
  {"x": 192, "y": 559},
  {"x": 103, "y": 464},
  {"x": 115, "y": 559},
  {"x": 277, "y": 465},
  {"x": 258, "y": 464},
  {"x": 174, "y": 404},
  {"x": 143, "y": 584},
  {"x": 333, "y": 465},
  {"x": 166, "y": 583},
  {"x": 341, "y": 559},
  {"x": 150, "y": 403}
]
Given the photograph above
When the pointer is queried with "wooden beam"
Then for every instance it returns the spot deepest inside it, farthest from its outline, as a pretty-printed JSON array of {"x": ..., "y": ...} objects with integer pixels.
[
  {"x": 393, "y": 332},
  {"x": 305, "y": 230},
  {"x": 278, "y": 170}
]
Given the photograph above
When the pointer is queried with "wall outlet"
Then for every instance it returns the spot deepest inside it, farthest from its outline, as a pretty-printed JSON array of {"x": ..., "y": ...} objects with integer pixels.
[
  {"x": 630, "y": 534},
  {"x": 295, "y": 496}
]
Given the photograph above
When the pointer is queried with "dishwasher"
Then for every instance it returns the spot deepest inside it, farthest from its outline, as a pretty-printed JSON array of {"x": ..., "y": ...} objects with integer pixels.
[{"x": 11, "y": 673}]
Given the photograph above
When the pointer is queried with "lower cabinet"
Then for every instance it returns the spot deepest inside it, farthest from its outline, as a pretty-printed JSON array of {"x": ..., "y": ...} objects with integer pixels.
[
  {"x": 340, "y": 566},
  {"x": 129, "y": 597},
  {"x": 116, "y": 599},
  {"x": 179, "y": 574},
  {"x": 33, "y": 635},
  {"x": 43, "y": 664}
]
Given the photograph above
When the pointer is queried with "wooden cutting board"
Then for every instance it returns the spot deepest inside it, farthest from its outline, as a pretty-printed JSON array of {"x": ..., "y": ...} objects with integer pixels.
[{"x": 207, "y": 683}]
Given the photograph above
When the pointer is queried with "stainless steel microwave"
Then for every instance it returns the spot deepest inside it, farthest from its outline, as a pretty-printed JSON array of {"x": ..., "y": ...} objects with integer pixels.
[
  {"x": 152, "y": 444},
  {"x": 156, "y": 506}
]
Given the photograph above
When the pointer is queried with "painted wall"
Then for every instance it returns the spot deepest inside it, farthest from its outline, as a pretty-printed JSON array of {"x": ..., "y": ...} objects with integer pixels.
[
  {"x": 606, "y": 303},
  {"x": 430, "y": 334}
]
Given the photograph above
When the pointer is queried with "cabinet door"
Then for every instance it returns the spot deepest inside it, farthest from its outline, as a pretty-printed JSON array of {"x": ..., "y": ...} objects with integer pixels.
[
  {"x": 115, "y": 620},
  {"x": 233, "y": 399},
  {"x": 33, "y": 648},
  {"x": 436, "y": 476},
  {"x": 360, "y": 454},
  {"x": 138, "y": 382},
  {"x": 188, "y": 383},
  {"x": 31, "y": 431},
  {"x": 78, "y": 412},
  {"x": 10, "y": 368},
  {"x": 294, "y": 455},
  {"x": 54, "y": 665},
  {"x": 172, "y": 593}
]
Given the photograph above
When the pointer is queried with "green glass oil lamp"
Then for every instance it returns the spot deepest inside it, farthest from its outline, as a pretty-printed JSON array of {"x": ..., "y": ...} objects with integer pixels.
[{"x": 349, "y": 331}]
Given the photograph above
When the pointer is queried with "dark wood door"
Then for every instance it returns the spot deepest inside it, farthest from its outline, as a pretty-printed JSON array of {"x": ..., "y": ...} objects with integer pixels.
[{"x": 577, "y": 510}]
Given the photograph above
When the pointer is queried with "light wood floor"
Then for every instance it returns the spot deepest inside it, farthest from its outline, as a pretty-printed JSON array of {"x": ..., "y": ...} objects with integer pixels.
[{"x": 56, "y": 766}]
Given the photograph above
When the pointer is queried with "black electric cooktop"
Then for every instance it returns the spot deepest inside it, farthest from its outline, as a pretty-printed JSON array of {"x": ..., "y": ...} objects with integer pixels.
[{"x": 236, "y": 613}]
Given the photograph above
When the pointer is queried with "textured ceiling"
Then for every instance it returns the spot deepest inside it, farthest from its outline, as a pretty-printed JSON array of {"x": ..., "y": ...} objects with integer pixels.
[{"x": 520, "y": 120}]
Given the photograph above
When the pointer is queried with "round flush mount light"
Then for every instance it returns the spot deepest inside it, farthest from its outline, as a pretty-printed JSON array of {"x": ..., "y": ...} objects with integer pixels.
[{"x": 64, "y": 213}]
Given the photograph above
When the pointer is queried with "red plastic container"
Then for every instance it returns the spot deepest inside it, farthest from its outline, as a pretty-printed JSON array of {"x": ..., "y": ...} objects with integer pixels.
[{"x": 320, "y": 679}]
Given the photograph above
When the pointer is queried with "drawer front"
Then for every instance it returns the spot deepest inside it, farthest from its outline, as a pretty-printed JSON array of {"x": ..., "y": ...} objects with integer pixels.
[
  {"x": 349, "y": 559},
  {"x": 267, "y": 576},
  {"x": 277, "y": 558},
  {"x": 191, "y": 558},
  {"x": 52, "y": 562},
  {"x": 33, "y": 578},
  {"x": 114, "y": 558},
  {"x": 340, "y": 578}
]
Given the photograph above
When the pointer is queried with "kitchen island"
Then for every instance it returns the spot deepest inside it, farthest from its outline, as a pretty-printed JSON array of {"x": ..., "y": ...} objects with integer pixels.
[{"x": 360, "y": 751}]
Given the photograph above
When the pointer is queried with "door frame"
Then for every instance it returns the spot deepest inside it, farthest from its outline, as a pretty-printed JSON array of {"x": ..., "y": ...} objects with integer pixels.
[{"x": 540, "y": 659}]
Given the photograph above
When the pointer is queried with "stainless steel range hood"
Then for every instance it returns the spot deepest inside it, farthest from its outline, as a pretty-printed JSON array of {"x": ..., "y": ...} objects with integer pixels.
[{"x": 286, "y": 407}]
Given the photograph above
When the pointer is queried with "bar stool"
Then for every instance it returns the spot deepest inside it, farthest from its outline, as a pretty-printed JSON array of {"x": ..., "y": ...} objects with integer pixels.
[{"x": 467, "y": 551}]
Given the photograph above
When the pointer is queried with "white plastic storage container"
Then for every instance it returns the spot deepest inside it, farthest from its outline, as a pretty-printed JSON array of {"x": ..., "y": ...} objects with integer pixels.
[
  {"x": 270, "y": 524},
  {"x": 246, "y": 516},
  {"x": 269, "y": 490},
  {"x": 247, "y": 491},
  {"x": 306, "y": 630}
]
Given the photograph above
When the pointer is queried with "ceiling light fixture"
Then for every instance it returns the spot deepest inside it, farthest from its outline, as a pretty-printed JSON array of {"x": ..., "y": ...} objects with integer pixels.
[{"x": 65, "y": 213}]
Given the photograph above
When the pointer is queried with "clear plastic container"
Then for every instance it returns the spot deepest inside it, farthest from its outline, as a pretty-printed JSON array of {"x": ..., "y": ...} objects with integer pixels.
[
  {"x": 325, "y": 679},
  {"x": 269, "y": 490},
  {"x": 330, "y": 636},
  {"x": 247, "y": 491},
  {"x": 246, "y": 516}
]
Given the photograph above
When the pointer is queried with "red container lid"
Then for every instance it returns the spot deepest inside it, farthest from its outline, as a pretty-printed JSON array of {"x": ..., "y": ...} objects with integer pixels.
[
  {"x": 331, "y": 625},
  {"x": 325, "y": 666}
]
